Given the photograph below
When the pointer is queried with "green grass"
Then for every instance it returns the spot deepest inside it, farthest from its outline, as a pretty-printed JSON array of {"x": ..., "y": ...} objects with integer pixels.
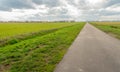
[
  {"x": 11, "y": 33},
  {"x": 112, "y": 28},
  {"x": 13, "y": 29},
  {"x": 38, "y": 54},
  {"x": 16, "y": 39}
]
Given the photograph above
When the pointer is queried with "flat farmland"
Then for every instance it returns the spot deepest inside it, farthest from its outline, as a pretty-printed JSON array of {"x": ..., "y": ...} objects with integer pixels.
[
  {"x": 112, "y": 28},
  {"x": 13, "y": 29},
  {"x": 39, "y": 51},
  {"x": 11, "y": 33}
]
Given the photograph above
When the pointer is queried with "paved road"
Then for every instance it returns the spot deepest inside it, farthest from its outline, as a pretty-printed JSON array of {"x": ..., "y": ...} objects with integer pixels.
[{"x": 92, "y": 51}]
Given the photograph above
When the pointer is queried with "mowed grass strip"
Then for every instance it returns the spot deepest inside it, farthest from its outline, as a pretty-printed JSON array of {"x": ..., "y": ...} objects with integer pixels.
[
  {"x": 112, "y": 28},
  {"x": 40, "y": 54},
  {"x": 13, "y": 29}
]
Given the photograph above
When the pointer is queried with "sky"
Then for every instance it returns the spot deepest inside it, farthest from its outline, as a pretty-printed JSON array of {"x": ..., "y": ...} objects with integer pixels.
[{"x": 54, "y": 10}]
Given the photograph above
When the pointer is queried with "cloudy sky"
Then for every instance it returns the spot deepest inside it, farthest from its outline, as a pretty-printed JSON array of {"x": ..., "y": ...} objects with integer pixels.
[{"x": 80, "y": 10}]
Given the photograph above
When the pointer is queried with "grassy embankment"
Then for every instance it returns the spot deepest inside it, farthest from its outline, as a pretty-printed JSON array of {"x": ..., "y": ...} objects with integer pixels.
[
  {"x": 40, "y": 53},
  {"x": 112, "y": 28}
]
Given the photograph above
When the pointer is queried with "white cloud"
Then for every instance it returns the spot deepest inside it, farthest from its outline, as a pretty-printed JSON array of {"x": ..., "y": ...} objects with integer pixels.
[
  {"x": 115, "y": 8},
  {"x": 59, "y": 10},
  {"x": 110, "y": 18},
  {"x": 72, "y": 10}
]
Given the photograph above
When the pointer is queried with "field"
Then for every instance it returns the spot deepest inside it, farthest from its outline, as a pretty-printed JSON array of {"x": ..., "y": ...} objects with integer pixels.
[
  {"x": 39, "y": 51},
  {"x": 12, "y": 29},
  {"x": 11, "y": 33},
  {"x": 112, "y": 28}
]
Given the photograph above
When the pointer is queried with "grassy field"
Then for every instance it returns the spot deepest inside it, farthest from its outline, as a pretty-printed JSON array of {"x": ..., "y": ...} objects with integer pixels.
[
  {"x": 39, "y": 53},
  {"x": 13, "y": 29},
  {"x": 112, "y": 28},
  {"x": 11, "y": 33}
]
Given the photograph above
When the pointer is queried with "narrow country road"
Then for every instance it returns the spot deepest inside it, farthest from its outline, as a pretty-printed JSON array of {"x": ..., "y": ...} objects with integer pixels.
[{"x": 92, "y": 51}]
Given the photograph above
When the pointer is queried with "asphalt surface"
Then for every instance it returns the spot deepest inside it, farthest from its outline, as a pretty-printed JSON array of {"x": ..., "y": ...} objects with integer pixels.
[{"x": 92, "y": 51}]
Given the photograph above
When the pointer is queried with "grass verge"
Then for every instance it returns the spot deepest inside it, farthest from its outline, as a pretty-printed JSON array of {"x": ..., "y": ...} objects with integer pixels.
[
  {"x": 111, "y": 28},
  {"x": 39, "y": 54}
]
